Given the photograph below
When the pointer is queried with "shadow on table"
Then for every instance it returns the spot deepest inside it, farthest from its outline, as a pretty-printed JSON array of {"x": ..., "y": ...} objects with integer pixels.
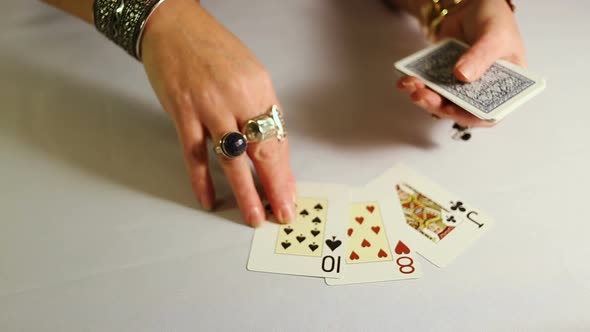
[
  {"x": 126, "y": 141},
  {"x": 130, "y": 142},
  {"x": 359, "y": 106}
]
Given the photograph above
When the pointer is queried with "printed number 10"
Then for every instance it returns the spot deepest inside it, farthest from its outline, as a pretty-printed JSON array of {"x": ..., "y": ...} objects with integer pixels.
[{"x": 331, "y": 263}]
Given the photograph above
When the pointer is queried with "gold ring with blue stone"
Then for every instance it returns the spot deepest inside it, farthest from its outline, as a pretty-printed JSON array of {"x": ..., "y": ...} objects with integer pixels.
[
  {"x": 266, "y": 126},
  {"x": 232, "y": 145}
]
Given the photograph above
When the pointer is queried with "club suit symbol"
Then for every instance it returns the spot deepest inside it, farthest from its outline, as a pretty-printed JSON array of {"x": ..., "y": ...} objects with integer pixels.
[
  {"x": 451, "y": 219},
  {"x": 461, "y": 132},
  {"x": 458, "y": 206}
]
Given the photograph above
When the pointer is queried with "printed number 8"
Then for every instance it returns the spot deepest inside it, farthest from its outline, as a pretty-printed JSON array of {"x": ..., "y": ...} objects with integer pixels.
[{"x": 408, "y": 267}]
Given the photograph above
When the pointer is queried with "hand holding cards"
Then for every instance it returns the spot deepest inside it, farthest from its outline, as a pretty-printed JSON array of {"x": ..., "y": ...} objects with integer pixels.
[
  {"x": 357, "y": 235},
  {"x": 501, "y": 90}
]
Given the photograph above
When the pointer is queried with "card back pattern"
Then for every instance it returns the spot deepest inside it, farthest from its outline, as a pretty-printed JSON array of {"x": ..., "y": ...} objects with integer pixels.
[{"x": 497, "y": 86}]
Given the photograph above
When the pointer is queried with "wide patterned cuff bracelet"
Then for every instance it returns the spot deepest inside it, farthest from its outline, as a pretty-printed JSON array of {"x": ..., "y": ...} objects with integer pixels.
[{"x": 123, "y": 21}]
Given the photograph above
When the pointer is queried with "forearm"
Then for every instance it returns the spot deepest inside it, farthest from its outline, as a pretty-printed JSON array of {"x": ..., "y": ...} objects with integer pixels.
[{"x": 79, "y": 8}]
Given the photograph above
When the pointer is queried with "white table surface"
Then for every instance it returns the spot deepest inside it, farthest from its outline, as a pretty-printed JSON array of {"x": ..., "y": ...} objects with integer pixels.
[{"x": 99, "y": 230}]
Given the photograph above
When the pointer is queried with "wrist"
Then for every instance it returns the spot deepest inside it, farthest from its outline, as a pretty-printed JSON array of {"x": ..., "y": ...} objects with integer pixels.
[
  {"x": 123, "y": 22},
  {"x": 172, "y": 20}
]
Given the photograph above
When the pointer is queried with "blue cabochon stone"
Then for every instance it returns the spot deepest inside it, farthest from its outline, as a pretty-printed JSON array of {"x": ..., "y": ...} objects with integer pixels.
[{"x": 234, "y": 144}]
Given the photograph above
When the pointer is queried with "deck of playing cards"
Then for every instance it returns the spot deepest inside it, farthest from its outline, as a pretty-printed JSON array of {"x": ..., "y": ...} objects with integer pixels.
[
  {"x": 501, "y": 90},
  {"x": 357, "y": 235}
]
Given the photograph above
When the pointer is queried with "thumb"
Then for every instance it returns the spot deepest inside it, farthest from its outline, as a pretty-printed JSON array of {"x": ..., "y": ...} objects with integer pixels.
[{"x": 478, "y": 58}]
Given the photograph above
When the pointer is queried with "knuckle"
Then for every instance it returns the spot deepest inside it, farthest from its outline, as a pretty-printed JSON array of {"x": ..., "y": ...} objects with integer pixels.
[
  {"x": 244, "y": 79},
  {"x": 448, "y": 111},
  {"x": 197, "y": 154},
  {"x": 199, "y": 183},
  {"x": 265, "y": 152},
  {"x": 259, "y": 81},
  {"x": 243, "y": 190},
  {"x": 207, "y": 96},
  {"x": 182, "y": 102},
  {"x": 263, "y": 76},
  {"x": 246, "y": 195}
]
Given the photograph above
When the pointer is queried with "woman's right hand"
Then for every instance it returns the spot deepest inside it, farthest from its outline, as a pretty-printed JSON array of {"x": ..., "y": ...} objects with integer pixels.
[{"x": 210, "y": 84}]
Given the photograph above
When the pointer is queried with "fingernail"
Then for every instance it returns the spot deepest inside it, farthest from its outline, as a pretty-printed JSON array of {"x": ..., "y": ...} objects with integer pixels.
[
  {"x": 421, "y": 103},
  {"x": 286, "y": 213},
  {"x": 255, "y": 217},
  {"x": 408, "y": 86},
  {"x": 466, "y": 70}
]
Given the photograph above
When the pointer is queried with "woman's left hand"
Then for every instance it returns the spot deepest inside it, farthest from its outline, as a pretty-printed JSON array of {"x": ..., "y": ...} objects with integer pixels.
[{"x": 491, "y": 28}]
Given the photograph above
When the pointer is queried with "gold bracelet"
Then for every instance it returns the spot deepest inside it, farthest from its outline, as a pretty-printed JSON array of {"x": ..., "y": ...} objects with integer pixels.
[{"x": 434, "y": 12}]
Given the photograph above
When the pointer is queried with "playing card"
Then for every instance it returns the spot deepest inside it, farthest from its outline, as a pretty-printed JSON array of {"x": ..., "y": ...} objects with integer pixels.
[
  {"x": 436, "y": 224},
  {"x": 314, "y": 244},
  {"x": 502, "y": 89},
  {"x": 374, "y": 249}
]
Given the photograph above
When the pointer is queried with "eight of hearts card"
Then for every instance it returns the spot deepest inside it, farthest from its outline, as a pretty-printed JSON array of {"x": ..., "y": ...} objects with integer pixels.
[
  {"x": 374, "y": 250},
  {"x": 502, "y": 89},
  {"x": 437, "y": 224},
  {"x": 314, "y": 244}
]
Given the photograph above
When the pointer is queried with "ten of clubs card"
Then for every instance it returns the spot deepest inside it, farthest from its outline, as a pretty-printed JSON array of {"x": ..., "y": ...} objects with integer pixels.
[
  {"x": 435, "y": 223},
  {"x": 374, "y": 250},
  {"x": 314, "y": 244},
  {"x": 502, "y": 89}
]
